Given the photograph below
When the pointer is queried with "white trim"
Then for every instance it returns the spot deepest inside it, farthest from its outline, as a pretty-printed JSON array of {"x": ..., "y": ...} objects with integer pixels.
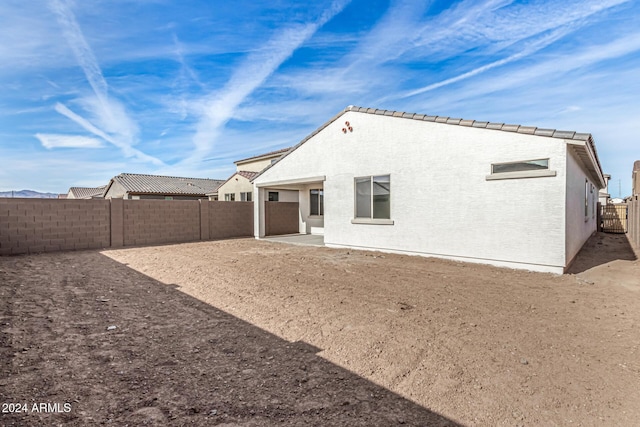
[
  {"x": 375, "y": 221},
  {"x": 307, "y": 180},
  {"x": 537, "y": 173}
]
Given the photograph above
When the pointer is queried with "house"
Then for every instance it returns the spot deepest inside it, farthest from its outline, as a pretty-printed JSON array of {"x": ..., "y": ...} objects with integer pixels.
[
  {"x": 603, "y": 195},
  {"x": 239, "y": 187},
  {"x": 140, "y": 186},
  {"x": 85, "y": 192},
  {"x": 506, "y": 195}
]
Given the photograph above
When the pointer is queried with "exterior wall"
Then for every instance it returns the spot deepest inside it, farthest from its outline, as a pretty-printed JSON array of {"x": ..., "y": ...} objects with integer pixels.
[
  {"x": 255, "y": 165},
  {"x": 578, "y": 226},
  {"x": 635, "y": 183},
  {"x": 309, "y": 224},
  {"x": 116, "y": 191},
  {"x": 47, "y": 225},
  {"x": 230, "y": 219},
  {"x": 43, "y": 225},
  {"x": 512, "y": 222},
  {"x": 237, "y": 184}
]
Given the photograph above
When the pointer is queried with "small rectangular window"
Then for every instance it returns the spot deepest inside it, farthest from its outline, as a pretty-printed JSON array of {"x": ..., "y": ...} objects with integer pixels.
[
  {"x": 528, "y": 165},
  {"x": 373, "y": 197},
  {"x": 245, "y": 197},
  {"x": 273, "y": 196},
  {"x": 230, "y": 197},
  {"x": 168, "y": 197},
  {"x": 316, "y": 202}
]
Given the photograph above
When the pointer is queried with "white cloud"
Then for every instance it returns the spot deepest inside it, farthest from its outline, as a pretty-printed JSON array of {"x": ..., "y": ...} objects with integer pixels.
[
  {"x": 110, "y": 119},
  {"x": 50, "y": 141},
  {"x": 219, "y": 107}
]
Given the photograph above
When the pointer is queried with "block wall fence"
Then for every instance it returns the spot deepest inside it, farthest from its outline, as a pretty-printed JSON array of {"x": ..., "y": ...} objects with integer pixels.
[{"x": 48, "y": 225}]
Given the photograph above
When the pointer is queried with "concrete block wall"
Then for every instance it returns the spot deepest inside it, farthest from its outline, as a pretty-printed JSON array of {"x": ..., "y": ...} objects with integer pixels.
[
  {"x": 281, "y": 218},
  {"x": 148, "y": 222},
  {"x": 230, "y": 219},
  {"x": 633, "y": 221},
  {"x": 48, "y": 225}
]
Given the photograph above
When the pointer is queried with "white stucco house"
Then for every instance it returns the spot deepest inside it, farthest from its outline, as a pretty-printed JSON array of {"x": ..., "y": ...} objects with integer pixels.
[{"x": 506, "y": 195}]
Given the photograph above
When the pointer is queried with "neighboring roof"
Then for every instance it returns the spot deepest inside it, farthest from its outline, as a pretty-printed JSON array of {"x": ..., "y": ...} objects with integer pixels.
[
  {"x": 86, "y": 192},
  {"x": 529, "y": 130},
  {"x": 264, "y": 156},
  {"x": 247, "y": 174},
  {"x": 168, "y": 185}
]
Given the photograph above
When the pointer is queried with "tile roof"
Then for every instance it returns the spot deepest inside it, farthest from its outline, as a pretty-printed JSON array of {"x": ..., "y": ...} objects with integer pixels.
[
  {"x": 169, "y": 185},
  {"x": 529, "y": 130},
  {"x": 271, "y": 153},
  {"x": 248, "y": 174},
  {"x": 86, "y": 192}
]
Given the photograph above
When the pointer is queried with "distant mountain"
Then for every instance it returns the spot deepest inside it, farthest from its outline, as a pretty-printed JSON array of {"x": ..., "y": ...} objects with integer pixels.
[{"x": 29, "y": 194}]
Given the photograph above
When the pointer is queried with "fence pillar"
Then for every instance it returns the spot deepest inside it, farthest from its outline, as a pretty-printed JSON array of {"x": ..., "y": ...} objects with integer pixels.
[
  {"x": 204, "y": 220},
  {"x": 117, "y": 223}
]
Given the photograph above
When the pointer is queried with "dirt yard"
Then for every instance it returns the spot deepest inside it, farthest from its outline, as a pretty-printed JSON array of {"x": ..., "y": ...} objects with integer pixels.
[{"x": 252, "y": 333}]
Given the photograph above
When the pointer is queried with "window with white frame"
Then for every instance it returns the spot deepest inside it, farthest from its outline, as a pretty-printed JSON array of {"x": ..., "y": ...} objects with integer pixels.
[
  {"x": 246, "y": 197},
  {"x": 229, "y": 197},
  {"x": 316, "y": 201},
  {"x": 373, "y": 197},
  {"x": 586, "y": 199},
  {"x": 528, "y": 165}
]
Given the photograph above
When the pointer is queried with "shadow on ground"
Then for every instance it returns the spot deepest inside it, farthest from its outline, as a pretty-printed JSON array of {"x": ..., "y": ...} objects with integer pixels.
[
  {"x": 600, "y": 249},
  {"x": 170, "y": 360}
]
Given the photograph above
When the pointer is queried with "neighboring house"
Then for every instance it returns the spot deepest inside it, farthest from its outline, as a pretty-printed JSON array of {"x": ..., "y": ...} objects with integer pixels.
[
  {"x": 139, "y": 186},
  {"x": 603, "y": 195},
  {"x": 506, "y": 195},
  {"x": 85, "y": 192},
  {"x": 238, "y": 187}
]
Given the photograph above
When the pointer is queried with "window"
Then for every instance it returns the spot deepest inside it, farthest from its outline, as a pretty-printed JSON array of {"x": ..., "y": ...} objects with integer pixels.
[
  {"x": 317, "y": 202},
  {"x": 168, "y": 197},
  {"x": 520, "y": 166},
  {"x": 229, "y": 197},
  {"x": 593, "y": 201},
  {"x": 586, "y": 199},
  {"x": 373, "y": 197},
  {"x": 246, "y": 197},
  {"x": 273, "y": 196}
]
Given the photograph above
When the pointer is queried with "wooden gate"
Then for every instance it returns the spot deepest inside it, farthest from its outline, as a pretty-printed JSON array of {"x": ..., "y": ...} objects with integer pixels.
[{"x": 614, "y": 218}]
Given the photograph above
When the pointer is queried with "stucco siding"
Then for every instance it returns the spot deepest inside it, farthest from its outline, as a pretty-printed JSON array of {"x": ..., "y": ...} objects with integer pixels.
[
  {"x": 579, "y": 227},
  {"x": 236, "y": 185},
  {"x": 116, "y": 191},
  {"x": 441, "y": 202}
]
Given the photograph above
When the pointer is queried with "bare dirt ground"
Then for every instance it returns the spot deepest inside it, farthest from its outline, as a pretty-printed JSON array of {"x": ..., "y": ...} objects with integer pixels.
[{"x": 245, "y": 332}]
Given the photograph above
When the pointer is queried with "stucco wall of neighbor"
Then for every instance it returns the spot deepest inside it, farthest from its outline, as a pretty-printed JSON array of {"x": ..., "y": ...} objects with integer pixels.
[
  {"x": 254, "y": 166},
  {"x": 116, "y": 191},
  {"x": 42, "y": 225},
  {"x": 441, "y": 202},
  {"x": 282, "y": 218},
  {"x": 237, "y": 184},
  {"x": 578, "y": 226},
  {"x": 230, "y": 219},
  {"x": 48, "y": 225}
]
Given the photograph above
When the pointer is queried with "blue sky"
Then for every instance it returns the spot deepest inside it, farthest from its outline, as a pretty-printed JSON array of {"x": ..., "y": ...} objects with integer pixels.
[{"x": 90, "y": 89}]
